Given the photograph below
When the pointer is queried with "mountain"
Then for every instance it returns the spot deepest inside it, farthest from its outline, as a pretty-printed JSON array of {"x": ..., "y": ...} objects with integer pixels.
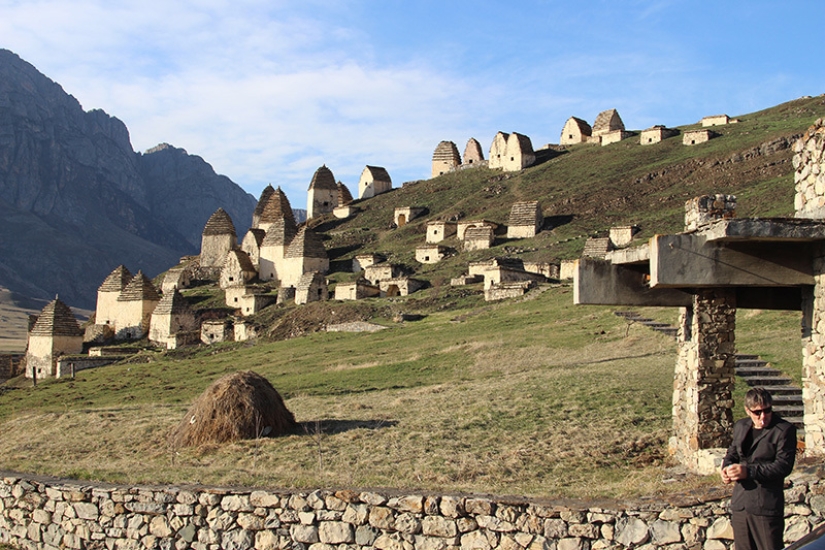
[{"x": 76, "y": 200}]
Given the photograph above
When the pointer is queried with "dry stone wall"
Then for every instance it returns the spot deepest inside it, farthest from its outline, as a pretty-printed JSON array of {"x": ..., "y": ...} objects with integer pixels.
[
  {"x": 45, "y": 513},
  {"x": 809, "y": 177}
]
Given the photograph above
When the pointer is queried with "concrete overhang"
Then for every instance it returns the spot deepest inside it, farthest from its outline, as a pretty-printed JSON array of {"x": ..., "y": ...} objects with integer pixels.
[
  {"x": 795, "y": 230},
  {"x": 635, "y": 255}
]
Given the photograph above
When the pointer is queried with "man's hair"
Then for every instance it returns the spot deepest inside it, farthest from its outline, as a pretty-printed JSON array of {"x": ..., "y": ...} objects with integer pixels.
[{"x": 758, "y": 397}]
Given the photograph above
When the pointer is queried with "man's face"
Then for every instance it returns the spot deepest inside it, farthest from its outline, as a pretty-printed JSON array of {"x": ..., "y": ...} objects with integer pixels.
[{"x": 760, "y": 415}]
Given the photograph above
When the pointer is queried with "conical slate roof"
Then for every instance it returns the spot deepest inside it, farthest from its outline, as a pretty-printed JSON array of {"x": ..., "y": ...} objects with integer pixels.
[
  {"x": 241, "y": 257},
  {"x": 139, "y": 288},
  {"x": 116, "y": 281},
  {"x": 524, "y": 213},
  {"x": 323, "y": 179},
  {"x": 280, "y": 233},
  {"x": 56, "y": 319},
  {"x": 259, "y": 208},
  {"x": 275, "y": 208},
  {"x": 608, "y": 121},
  {"x": 344, "y": 195},
  {"x": 472, "y": 152},
  {"x": 172, "y": 303},
  {"x": 446, "y": 151},
  {"x": 378, "y": 173},
  {"x": 219, "y": 223},
  {"x": 307, "y": 244}
]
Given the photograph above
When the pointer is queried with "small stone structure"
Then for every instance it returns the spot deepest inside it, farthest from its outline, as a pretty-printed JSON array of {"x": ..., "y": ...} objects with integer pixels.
[
  {"x": 322, "y": 195},
  {"x": 172, "y": 316},
  {"x": 597, "y": 247},
  {"x": 445, "y": 158},
  {"x": 437, "y": 231},
  {"x": 463, "y": 225},
  {"x": 217, "y": 240},
  {"x": 248, "y": 299},
  {"x": 381, "y": 272},
  {"x": 251, "y": 244},
  {"x": 430, "y": 254},
  {"x": 344, "y": 209},
  {"x": 525, "y": 220},
  {"x": 400, "y": 286},
  {"x": 405, "y": 214},
  {"x": 214, "y": 331},
  {"x": 622, "y": 236},
  {"x": 135, "y": 306},
  {"x": 715, "y": 120},
  {"x": 607, "y": 121},
  {"x": 312, "y": 287},
  {"x": 306, "y": 254},
  {"x": 237, "y": 269},
  {"x": 374, "y": 181},
  {"x": 575, "y": 131},
  {"x": 655, "y": 134},
  {"x": 500, "y": 274},
  {"x": 505, "y": 291},
  {"x": 244, "y": 330},
  {"x": 54, "y": 333},
  {"x": 614, "y": 136},
  {"x": 511, "y": 152},
  {"x": 478, "y": 238},
  {"x": 179, "y": 277},
  {"x": 567, "y": 269},
  {"x": 547, "y": 269},
  {"x": 357, "y": 290},
  {"x": 694, "y": 137},
  {"x": 362, "y": 261},
  {"x": 278, "y": 237},
  {"x": 473, "y": 155}
]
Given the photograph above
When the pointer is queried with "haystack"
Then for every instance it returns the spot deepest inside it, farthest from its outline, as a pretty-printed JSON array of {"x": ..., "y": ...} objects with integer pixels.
[{"x": 241, "y": 405}]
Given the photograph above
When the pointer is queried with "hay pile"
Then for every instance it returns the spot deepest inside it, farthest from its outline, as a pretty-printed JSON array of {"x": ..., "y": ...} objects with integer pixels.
[{"x": 241, "y": 405}]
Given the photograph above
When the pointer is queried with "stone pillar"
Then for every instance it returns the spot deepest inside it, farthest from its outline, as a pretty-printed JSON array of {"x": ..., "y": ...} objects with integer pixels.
[
  {"x": 809, "y": 173},
  {"x": 703, "y": 381},
  {"x": 813, "y": 358},
  {"x": 704, "y": 377}
]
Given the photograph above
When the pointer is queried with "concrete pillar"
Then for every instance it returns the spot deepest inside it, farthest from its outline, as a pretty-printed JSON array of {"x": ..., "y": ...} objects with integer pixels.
[
  {"x": 703, "y": 381},
  {"x": 813, "y": 358}
]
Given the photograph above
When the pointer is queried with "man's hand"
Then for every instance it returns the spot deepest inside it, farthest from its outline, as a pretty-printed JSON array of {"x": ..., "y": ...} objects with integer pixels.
[{"x": 734, "y": 472}]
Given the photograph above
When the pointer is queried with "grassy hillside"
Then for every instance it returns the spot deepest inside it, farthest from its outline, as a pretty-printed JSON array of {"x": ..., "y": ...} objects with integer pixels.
[{"x": 532, "y": 396}]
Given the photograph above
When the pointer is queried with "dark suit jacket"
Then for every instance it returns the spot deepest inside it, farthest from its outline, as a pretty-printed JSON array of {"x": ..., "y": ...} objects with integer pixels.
[{"x": 769, "y": 461}]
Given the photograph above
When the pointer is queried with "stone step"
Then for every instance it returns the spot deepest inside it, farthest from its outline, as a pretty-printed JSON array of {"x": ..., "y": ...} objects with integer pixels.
[
  {"x": 768, "y": 381},
  {"x": 750, "y": 362},
  {"x": 757, "y": 371},
  {"x": 780, "y": 390}
]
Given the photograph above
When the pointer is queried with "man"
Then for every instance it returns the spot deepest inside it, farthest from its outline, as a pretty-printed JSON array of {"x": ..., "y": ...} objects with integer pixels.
[{"x": 759, "y": 459}]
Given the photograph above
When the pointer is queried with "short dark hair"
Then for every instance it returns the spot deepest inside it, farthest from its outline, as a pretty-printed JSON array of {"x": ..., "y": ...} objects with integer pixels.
[{"x": 758, "y": 397}]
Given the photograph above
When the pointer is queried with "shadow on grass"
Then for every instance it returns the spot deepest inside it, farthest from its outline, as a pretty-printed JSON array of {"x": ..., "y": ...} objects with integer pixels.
[{"x": 331, "y": 427}]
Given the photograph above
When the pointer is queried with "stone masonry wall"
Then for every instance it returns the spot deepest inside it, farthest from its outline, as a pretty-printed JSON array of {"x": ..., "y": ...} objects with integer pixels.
[
  {"x": 813, "y": 358},
  {"x": 809, "y": 176},
  {"x": 45, "y": 513}
]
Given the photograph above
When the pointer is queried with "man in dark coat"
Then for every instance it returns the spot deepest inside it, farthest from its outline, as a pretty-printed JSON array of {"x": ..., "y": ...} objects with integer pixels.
[{"x": 759, "y": 459}]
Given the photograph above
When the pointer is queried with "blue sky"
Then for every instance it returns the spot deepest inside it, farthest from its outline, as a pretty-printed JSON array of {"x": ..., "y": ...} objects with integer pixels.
[{"x": 267, "y": 91}]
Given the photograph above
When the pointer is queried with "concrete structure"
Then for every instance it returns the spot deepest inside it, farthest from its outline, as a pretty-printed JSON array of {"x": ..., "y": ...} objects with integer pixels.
[
  {"x": 237, "y": 269},
  {"x": 218, "y": 238},
  {"x": 374, "y": 181},
  {"x": 439, "y": 230},
  {"x": 362, "y": 261},
  {"x": 607, "y": 121},
  {"x": 404, "y": 214},
  {"x": 445, "y": 158},
  {"x": 430, "y": 254},
  {"x": 478, "y": 238},
  {"x": 511, "y": 152},
  {"x": 525, "y": 220},
  {"x": 655, "y": 134},
  {"x": 473, "y": 155},
  {"x": 322, "y": 195},
  {"x": 715, "y": 120},
  {"x": 357, "y": 290},
  {"x": 172, "y": 316},
  {"x": 312, "y": 287},
  {"x": 694, "y": 137},
  {"x": 54, "y": 333},
  {"x": 575, "y": 131},
  {"x": 108, "y": 292},
  {"x": 306, "y": 254},
  {"x": 721, "y": 263}
]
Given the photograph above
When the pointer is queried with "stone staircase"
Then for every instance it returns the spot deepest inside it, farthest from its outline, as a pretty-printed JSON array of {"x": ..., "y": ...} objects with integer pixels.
[{"x": 787, "y": 397}]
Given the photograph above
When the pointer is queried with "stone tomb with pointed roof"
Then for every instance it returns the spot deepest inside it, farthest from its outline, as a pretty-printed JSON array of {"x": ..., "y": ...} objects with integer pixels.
[
  {"x": 217, "y": 240},
  {"x": 473, "y": 155},
  {"x": 237, "y": 269},
  {"x": 575, "y": 131},
  {"x": 106, "y": 311},
  {"x": 344, "y": 209},
  {"x": 173, "y": 322},
  {"x": 273, "y": 206},
  {"x": 312, "y": 287},
  {"x": 54, "y": 333},
  {"x": 445, "y": 158},
  {"x": 511, "y": 152},
  {"x": 322, "y": 195},
  {"x": 251, "y": 244},
  {"x": 278, "y": 237},
  {"x": 525, "y": 220},
  {"x": 135, "y": 306},
  {"x": 305, "y": 254},
  {"x": 375, "y": 180}
]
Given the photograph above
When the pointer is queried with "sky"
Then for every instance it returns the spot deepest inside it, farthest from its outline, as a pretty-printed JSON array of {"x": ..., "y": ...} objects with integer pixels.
[{"x": 266, "y": 91}]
